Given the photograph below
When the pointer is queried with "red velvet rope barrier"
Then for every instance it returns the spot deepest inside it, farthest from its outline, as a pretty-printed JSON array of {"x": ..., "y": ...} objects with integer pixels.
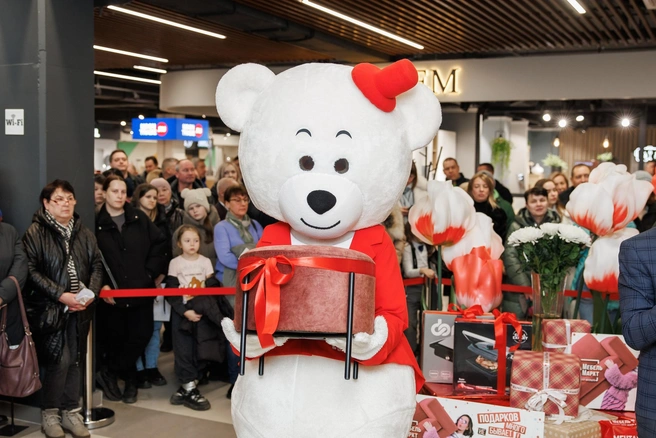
[{"x": 510, "y": 288}]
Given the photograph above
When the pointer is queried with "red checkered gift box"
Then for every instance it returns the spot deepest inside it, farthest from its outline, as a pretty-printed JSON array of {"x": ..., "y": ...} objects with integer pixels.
[
  {"x": 546, "y": 382},
  {"x": 557, "y": 333}
]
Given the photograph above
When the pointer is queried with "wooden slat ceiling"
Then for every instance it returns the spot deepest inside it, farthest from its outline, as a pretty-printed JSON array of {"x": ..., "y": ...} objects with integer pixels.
[
  {"x": 181, "y": 47},
  {"x": 458, "y": 27}
]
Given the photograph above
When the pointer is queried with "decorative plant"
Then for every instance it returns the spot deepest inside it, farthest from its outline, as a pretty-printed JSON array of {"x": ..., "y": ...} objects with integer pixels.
[
  {"x": 555, "y": 161},
  {"x": 501, "y": 148},
  {"x": 608, "y": 156}
]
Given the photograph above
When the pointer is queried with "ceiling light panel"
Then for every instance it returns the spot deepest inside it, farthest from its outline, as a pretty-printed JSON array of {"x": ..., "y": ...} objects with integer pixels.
[
  {"x": 151, "y": 69},
  {"x": 129, "y": 78},
  {"x": 577, "y": 6},
  {"x": 126, "y": 53},
  {"x": 362, "y": 24},
  {"x": 164, "y": 21}
]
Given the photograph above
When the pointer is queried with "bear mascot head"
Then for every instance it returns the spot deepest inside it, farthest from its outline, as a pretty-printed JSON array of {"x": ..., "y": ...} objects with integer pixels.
[{"x": 326, "y": 149}]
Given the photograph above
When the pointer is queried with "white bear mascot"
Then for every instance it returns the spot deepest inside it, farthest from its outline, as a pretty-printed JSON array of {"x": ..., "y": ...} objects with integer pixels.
[{"x": 327, "y": 150}]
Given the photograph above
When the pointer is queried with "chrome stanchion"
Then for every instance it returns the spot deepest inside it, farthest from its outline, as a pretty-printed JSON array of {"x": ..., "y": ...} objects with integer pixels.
[{"x": 94, "y": 418}]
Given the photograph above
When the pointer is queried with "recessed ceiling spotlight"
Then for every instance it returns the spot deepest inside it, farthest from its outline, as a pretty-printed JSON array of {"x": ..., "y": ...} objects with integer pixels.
[
  {"x": 123, "y": 123},
  {"x": 626, "y": 122},
  {"x": 562, "y": 123},
  {"x": 580, "y": 118},
  {"x": 131, "y": 132},
  {"x": 228, "y": 134},
  {"x": 126, "y": 53},
  {"x": 167, "y": 22},
  {"x": 546, "y": 117},
  {"x": 203, "y": 116},
  {"x": 556, "y": 142},
  {"x": 362, "y": 24},
  {"x": 141, "y": 116}
]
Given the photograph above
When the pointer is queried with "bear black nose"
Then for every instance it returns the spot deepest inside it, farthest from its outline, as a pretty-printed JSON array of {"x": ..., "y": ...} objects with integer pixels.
[{"x": 321, "y": 201}]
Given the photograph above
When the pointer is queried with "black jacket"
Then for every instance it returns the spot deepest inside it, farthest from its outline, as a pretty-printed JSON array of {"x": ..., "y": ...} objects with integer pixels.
[
  {"x": 174, "y": 215},
  {"x": 48, "y": 279},
  {"x": 162, "y": 223},
  {"x": 461, "y": 180},
  {"x": 135, "y": 255},
  {"x": 564, "y": 196},
  {"x": 12, "y": 262},
  {"x": 498, "y": 216},
  {"x": 503, "y": 191},
  {"x": 175, "y": 191}
]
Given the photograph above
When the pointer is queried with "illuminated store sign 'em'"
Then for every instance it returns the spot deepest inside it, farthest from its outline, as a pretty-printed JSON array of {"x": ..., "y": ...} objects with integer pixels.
[{"x": 439, "y": 82}]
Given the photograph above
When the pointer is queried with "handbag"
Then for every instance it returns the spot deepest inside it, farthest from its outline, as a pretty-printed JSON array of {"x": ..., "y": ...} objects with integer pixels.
[{"x": 19, "y": 366}]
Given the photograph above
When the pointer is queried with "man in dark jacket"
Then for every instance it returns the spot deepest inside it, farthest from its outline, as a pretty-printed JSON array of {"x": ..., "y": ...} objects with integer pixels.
[
  {"x": 580, "y": 174},
  {"x": 452, "y": 172},
  {"x": 185, "y": 178},
  {"x": 118, "y": 160},
  {"x": 502, "y": 190}
]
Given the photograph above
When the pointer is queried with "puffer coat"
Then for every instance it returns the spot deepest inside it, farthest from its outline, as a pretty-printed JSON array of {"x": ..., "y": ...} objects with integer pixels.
[{"x": 48, "y": 279}]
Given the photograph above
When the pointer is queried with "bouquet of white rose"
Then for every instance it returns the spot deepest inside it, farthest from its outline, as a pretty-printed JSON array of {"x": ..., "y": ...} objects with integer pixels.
[{"x": 548, "y": 252}]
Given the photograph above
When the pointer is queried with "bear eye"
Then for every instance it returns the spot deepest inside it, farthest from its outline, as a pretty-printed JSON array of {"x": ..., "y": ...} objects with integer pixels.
[
  {"x": 341, "y": 165},
  {"x": 343, "y": 132},
  {"x": 306, "y": 163},
  {"x": 307, "y": 131}
]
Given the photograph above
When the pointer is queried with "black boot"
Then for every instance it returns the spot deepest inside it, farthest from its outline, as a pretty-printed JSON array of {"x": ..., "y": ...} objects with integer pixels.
[
  {"x": 109, "y": 385},
  {"x": 130, "y": 393},
  {"x": 143, "y": 379},
  {"x": 156, "y": 377}
]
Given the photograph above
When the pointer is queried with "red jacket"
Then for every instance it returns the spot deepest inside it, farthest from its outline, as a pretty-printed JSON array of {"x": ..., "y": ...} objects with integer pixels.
[{"x": 390, "y": 300}]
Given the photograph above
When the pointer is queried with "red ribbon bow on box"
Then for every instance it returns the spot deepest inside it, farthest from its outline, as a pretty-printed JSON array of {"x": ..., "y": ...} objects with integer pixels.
[
  {"x": 268, "y": 278},
  {"x": 500, "y": 332},
  {"x": 468, "y": 313}
]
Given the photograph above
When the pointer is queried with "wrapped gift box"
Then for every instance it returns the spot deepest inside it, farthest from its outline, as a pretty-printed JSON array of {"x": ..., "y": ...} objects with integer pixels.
[
  {"x": 314, "y": 301},
  {"x": 437, "y": 346},
  {"x": 430, "y": 414},
  {"x": 583, "y": 429},
  {"x": 535, "y": 373},
  {"x": 557, "y": 333},
  {"x": 475, "y": 358},
  {"x": 602, "y": 386}
]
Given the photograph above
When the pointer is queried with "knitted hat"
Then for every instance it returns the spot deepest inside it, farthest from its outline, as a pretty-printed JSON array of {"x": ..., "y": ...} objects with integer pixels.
[
  {"x": 196, "y": 196},
  {"x": 160, "y": 183}
]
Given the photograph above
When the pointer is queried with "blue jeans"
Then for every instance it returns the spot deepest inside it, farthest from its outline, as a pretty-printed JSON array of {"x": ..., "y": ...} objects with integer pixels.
[
  {"x": 233, "y": 364},
  {"x": 152, "y": 349}
]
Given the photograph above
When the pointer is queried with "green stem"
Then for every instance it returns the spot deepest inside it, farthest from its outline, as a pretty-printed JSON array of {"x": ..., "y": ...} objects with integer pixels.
[
  {"x": 439, "y": 278},
  {"x": 604, "y": 314},
  {"x": 452, "y": 294}
]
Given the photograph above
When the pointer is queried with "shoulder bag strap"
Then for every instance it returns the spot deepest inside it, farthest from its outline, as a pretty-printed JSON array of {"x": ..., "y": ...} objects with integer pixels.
[
  {"x": 19, "y": 295},
  {"x": 109, "y": 271}
]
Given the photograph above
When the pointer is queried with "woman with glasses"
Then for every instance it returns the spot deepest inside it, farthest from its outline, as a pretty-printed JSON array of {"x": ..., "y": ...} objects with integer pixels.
[
  {"x": 232, "y": 237},
  {"x": 63, "y": 265}
]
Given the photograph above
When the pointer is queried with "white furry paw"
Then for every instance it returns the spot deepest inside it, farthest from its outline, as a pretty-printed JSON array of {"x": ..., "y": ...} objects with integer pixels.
[
  {"x": 364, "y": 345},
  {"x": 253, "y": 347}
]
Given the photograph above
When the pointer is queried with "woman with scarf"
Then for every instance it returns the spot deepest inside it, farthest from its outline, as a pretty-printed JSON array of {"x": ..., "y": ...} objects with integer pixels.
[
  {"x": 232, "y": 236},
  {"x": 63, "y": 264}
]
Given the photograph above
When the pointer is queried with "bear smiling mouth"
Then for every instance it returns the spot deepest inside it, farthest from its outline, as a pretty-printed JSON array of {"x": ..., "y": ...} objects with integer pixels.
[{"x": 321, "y": 228}]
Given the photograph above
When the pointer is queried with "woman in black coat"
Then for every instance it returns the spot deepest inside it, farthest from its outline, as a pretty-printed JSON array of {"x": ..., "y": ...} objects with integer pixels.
[
  {"x": 481, "y": 189},
  {"x": 12, "y": 263},
  {"x": 63, "y": 260},
  {"x": 135, "y": 252}
]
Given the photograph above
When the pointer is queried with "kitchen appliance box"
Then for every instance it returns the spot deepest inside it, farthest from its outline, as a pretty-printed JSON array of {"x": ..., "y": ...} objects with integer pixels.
[
  {"x": 437, "y": 345},
  {"x": 475, "y": 361}
]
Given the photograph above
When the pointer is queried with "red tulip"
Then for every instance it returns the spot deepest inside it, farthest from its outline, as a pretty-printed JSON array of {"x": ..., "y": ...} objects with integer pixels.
[
  {"x": 602, "y": 267},
  {"x": 444, "y": 216},
  {"x": 478, "y": 279},
  {"x": 482, "y": 234}
]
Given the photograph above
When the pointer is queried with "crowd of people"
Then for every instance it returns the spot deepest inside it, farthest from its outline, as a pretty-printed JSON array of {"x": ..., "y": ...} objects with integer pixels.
[
  {"x": 166, "y": 228},
  {"x": 544, "y": 203},
  {"x": 161, "y": 228}
]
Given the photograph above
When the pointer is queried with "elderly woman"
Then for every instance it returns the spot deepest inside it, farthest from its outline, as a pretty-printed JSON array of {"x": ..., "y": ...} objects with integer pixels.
[{"x": 63, "y": 262}]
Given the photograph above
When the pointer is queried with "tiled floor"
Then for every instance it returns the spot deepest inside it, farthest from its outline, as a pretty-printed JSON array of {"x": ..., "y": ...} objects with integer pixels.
[{"x": 153, "y": 415}]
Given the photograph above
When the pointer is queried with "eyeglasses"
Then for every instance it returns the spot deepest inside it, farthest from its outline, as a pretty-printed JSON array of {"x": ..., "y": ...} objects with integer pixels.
[
  {"x": 241, "y": 200},
  {"x": 61, "y": 200}
]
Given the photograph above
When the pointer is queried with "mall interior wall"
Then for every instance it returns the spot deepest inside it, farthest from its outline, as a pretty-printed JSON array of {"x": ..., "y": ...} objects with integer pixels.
[{"x": 46, "y": 68}]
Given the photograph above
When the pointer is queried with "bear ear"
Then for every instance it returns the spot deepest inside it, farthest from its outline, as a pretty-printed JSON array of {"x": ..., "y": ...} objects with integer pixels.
[
  {"x": 422, "y": 113},
  {"x": 237, "y": 91},
  {"x": 184, "y": 193},
  {"x": 207, "y": 192}
]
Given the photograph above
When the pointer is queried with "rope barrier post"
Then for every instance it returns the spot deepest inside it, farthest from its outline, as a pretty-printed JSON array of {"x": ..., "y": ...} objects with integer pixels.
[
  {"x": 439, "y": 277},
  {"x": 349, "y": 326},
  {"x": 12, "y": 429},
  {"x": 579, "y": 293},
  {"x": 242, "y": 340},
  {"x": 94, "y": 418}
]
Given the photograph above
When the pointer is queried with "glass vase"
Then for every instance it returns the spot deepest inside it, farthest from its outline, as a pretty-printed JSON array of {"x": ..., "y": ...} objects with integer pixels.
[{"x": 548, "y": 301}]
